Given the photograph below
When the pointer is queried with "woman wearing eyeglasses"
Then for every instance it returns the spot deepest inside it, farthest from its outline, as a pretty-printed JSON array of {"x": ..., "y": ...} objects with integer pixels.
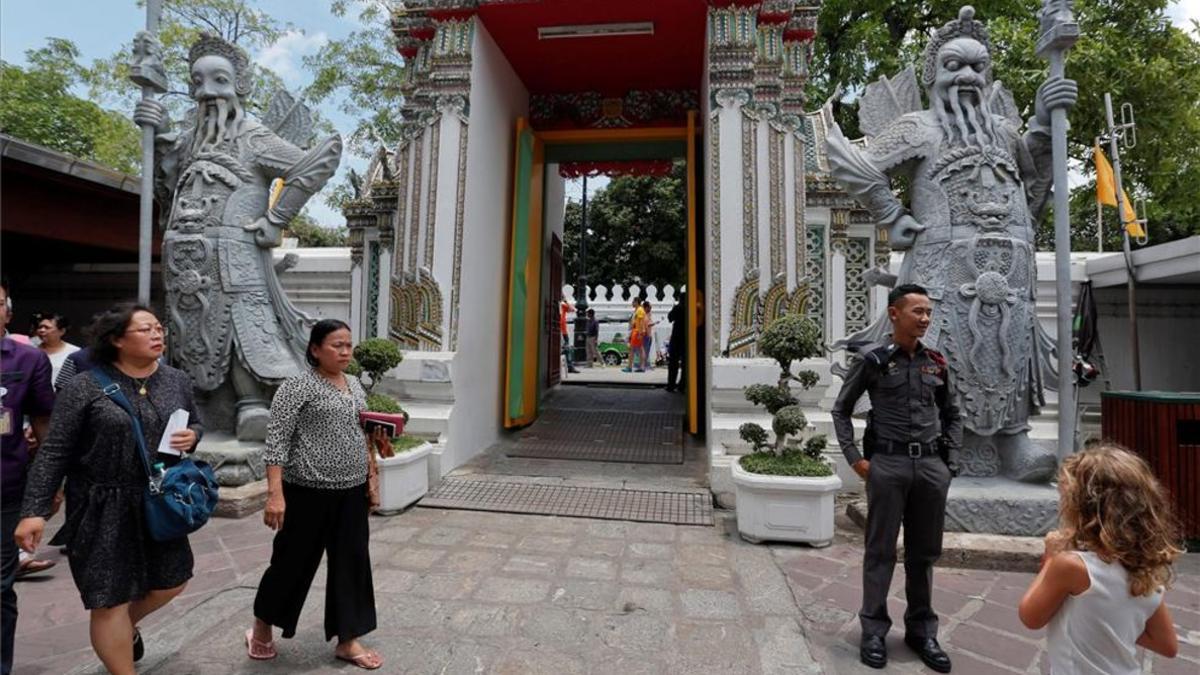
[{"x": 122, "y": 575}]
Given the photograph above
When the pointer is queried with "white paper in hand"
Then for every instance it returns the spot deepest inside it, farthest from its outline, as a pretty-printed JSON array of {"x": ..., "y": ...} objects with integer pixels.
[{"x": 177, "y": 422}]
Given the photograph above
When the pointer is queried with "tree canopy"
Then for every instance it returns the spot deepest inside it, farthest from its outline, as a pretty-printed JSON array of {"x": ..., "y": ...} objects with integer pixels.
[
  {"x": 365, "y": 67},
  {"x": 637, "y": 231},
  {"x": 1128, "y": 48},
  {"x": 37, "y": 106},
  {"x": 182, "y": 22}
]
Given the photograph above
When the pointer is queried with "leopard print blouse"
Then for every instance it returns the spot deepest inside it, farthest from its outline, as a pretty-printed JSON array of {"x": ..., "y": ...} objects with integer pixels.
[{"x": 314, "y": 433}]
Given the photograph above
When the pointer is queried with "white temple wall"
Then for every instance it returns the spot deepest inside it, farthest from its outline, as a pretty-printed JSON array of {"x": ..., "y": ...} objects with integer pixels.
[
  {"x": 497, "y": 98},
  {"x": 319, "y": 285}
]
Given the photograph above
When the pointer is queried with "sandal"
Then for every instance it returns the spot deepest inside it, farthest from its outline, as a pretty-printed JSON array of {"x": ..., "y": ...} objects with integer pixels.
[
  {"x": 32, "y": 565},
  {"x": 368, "y": 660},
  {"x": 259, "y": 651}
]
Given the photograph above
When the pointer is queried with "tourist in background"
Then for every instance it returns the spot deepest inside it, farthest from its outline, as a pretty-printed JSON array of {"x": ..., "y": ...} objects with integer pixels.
[
  {"x": 317, "y": 503},
  {"x": 637, "y": 333},
  {"x": 593, "y": 338},
  {"x": 648, "y": 358},
  {"x": 27, "y": 391},
  {"x": 1105, "y": 570},
  {"x": 50, "y": 331},
  {"x": 565, "y": 308},
  {"x": 122, "y": 574},
  {"x": 677, "y": 345}
]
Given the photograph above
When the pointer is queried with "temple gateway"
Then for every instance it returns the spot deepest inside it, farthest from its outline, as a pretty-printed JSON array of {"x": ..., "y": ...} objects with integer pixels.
[{"x": 456, "y": 233}]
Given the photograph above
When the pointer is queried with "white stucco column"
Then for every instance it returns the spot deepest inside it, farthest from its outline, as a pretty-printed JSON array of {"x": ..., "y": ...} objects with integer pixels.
[
  {"x": 726, "y": 226},
  {"x": 836, "y": 302},
  {"x": 444, "y": 211},
  {"x": 762, "y": 193},
  {"x": 357, "y": 296}
]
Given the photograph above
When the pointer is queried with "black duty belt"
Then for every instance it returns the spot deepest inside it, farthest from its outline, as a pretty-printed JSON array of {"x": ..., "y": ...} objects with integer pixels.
[{"x": 914, "y": 449}]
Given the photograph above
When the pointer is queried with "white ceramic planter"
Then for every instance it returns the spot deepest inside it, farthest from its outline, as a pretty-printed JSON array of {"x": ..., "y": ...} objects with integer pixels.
[
  {"x": 785, "y": 508},
  {"x": 403, "y": 479}
]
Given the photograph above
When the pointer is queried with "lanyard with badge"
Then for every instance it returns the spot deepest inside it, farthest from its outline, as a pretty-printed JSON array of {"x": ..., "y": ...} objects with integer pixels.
[{"x": 6, "y": 417}]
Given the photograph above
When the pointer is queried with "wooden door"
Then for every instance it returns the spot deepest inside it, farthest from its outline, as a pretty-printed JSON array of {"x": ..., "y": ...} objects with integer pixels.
[{"x": 523, "y": 338}]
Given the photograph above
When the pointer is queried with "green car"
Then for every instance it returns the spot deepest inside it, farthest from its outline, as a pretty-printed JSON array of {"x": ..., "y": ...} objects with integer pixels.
[{"x": 615, "y": 352}]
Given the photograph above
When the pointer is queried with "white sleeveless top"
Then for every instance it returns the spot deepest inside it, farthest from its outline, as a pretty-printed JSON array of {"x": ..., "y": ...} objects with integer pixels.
[{"x": 1093, "y": 633}]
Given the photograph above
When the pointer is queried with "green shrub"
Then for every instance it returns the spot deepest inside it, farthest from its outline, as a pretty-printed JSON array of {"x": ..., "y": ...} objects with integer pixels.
[
  {"x": 755, "y": 435},
  {"x": 376, "y": 356},
  {"x": 787, "y": 463},
  {"x": 789, "y": 338},
  {"x": 405, "y": 442},
  {"x": 789, "y": 421},
  {"x": 770, "y": 397},
  {"x": 382, "y": 403}
]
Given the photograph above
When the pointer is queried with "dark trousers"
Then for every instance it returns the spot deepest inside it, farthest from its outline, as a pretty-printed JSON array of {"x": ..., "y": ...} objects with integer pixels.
[
  {"x": 315, "y": 522},
  {"x": 676, "y": 375},
  {"x": 8, "y": 574},
  {"x": 568, "y": 352},
  {"x": 912, "y": 492}
]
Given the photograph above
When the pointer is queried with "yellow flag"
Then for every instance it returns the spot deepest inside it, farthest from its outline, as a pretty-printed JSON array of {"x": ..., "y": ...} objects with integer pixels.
[{"x": 1106, "y": 193}]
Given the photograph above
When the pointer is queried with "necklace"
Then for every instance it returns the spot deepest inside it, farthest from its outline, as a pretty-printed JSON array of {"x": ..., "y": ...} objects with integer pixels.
[{"x": 141, "y": 383}]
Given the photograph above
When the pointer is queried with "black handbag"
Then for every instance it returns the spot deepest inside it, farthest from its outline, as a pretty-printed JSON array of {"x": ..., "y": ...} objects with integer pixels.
[{"x": 182, "y": 501}]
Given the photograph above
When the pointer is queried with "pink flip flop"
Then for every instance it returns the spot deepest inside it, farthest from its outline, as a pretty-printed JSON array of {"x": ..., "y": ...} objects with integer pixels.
[
  {"x": 259, "y": 651},
  {"x": 363, "y": 660}
]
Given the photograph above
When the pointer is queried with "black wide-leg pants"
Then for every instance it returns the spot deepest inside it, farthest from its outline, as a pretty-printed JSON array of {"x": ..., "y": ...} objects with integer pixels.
[
  {"x": 913, "y": 492},
  {"x": 315, "y": 522}
]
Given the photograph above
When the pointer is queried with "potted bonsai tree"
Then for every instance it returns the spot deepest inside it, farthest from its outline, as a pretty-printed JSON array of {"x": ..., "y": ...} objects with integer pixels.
[
  {"x": 403, "y": 477},
  {"x": 785, "y": 489}
]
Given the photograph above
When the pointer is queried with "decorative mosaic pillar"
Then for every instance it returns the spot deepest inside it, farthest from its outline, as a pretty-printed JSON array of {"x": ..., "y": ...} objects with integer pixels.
[
  {"x": 360, "y": 216},
  {"x": 814, "y": 271},
  {"x": 384, "y": 189},
  {"x": 437, "y": 37},
  {"x": 797, "y": 50},
  {"x": 733, "y": 286},
  {"x": 881, "y": 260}
]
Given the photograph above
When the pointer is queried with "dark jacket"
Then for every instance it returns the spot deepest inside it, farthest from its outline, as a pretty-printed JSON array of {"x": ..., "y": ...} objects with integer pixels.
[{"x": 912, "y": 399}]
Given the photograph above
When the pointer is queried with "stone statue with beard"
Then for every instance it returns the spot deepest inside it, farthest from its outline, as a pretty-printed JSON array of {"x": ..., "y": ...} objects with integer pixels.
[
  {"x": 977, "y": 187},
  {"x": 229, "y": 318}
]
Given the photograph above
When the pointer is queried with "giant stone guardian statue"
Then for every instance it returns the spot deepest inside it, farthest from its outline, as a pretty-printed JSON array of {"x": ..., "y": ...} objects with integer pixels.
[
  {"x": 229, "y": 317},
  {"x": 977, "y": 187}
]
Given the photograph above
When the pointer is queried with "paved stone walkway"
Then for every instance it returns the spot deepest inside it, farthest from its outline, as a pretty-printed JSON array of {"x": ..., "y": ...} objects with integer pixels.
[{"x": 470, "y": 592}]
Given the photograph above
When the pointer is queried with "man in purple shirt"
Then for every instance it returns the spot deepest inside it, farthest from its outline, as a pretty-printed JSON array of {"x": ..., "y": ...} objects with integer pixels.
[{"x": 25, "y": 389}]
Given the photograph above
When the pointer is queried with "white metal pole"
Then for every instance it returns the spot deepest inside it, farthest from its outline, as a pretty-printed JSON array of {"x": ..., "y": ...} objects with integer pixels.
[{"x": 1130, "y": 270}]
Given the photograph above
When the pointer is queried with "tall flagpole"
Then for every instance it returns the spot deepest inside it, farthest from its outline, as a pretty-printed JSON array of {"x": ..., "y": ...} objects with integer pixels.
[
  {"x": 146, "y": 70},
  {"x": 1059, "y": 33},
  {"x": 1115, "y": 134}
]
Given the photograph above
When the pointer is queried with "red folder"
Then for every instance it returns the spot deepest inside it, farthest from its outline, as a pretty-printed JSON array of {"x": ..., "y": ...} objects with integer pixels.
[{"x": 393, "y": 423}]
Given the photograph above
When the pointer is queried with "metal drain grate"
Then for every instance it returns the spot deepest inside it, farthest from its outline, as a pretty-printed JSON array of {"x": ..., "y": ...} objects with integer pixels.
[
  {"x": 647, "y": 438},
  {"x": 679, "y": 508}
]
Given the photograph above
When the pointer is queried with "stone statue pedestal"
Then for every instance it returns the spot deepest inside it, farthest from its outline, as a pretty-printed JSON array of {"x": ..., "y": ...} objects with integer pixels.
[
  {"x": 234, "y": 462},
  {"x": 1001, "y": 506},
  {"x": 240, "y": 472}
]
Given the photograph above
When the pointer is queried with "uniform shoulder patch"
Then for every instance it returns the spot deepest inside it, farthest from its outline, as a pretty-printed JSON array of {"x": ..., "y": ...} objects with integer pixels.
[{"x": 936, "y": 357}]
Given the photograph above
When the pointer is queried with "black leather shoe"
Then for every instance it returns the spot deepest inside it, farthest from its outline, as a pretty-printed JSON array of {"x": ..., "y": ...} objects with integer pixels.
[
  {"x": 930, "y": 652},
  {"x": 873, "y": 651}
]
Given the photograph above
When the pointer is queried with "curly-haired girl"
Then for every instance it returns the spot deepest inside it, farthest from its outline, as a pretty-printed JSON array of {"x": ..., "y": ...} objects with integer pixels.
[{"x": 1105, "y": 570}]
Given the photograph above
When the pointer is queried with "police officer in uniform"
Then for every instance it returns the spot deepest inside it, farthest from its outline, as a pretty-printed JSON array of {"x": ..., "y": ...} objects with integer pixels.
[{"x": 912, "y": 444}]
